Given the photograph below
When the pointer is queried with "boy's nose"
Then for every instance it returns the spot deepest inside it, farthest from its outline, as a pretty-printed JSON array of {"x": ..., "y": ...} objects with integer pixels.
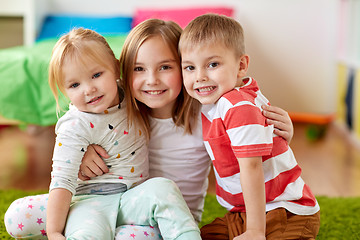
[{"x": 201, "y": 76}]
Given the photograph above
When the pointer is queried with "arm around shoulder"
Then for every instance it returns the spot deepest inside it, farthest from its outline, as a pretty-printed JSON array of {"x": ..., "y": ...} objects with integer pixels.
[{"x": 281, "y": 120}]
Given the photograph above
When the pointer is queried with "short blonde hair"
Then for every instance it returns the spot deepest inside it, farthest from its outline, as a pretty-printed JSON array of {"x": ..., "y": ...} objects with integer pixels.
[
  {"x": 186, "y": 108},
  {"x": 83, "y": 45},
  {"x": 213, "y": 29}
]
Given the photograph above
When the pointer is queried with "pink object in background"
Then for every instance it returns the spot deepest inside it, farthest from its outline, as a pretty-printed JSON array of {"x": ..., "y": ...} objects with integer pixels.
[{"x": 181, "y": 16}]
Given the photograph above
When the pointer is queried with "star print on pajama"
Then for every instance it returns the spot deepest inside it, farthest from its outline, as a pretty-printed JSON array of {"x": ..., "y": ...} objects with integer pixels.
[
  {"x": 29, "y": 220},
  {"x": 138, "y": 232}
]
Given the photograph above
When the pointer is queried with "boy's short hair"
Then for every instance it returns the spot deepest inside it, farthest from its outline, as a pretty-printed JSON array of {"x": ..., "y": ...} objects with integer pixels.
[{"x": 213, "y": 29}]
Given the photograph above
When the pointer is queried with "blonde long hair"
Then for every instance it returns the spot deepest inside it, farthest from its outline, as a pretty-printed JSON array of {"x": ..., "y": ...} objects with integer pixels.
[
  {"x": 82, "y": 45},
  {"x": 186, "y": 109}
]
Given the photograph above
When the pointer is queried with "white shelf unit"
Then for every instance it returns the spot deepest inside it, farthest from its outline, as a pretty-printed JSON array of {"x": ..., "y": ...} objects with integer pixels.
[{"x": 32, "y": 12}]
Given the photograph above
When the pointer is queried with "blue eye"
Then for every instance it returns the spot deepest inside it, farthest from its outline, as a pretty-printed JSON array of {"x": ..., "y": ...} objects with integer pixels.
[
  {"x": 96, "y": 75},
  {"x": 75, "y": 85}
]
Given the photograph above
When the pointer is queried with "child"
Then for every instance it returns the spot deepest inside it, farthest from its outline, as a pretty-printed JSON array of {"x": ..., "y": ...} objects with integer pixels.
[
  {"x": 84, "y": 68},
  {"x": 174, "y": 153},
  {"x": 151, "y": 72},
  {"x": 244, "y": 151}
]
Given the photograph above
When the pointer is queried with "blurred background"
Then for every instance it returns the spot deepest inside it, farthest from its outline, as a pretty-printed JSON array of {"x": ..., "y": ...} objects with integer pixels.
[{"x": 305, "y": 54}]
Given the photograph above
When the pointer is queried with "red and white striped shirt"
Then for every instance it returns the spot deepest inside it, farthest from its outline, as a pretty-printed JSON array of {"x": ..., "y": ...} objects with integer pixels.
[{"x": 234, "y": 127}]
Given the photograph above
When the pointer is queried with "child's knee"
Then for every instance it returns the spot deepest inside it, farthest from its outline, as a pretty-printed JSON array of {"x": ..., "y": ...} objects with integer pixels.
[
  {"x": 161, "y": 180},
  {"x": 24, "y": 217},
  {"x": 86, "y": 234},
  {"x": 162, "y": 188},
  {"x": 163, "y": 185}
]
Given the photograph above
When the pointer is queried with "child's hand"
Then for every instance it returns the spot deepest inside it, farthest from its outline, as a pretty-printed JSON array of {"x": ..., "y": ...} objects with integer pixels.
[
  {"x": 92, "y": 164},
  {"x": 56, "y": 236},
  {"x": 283, "y": 126},
  {"x": 251, "y": 235}
]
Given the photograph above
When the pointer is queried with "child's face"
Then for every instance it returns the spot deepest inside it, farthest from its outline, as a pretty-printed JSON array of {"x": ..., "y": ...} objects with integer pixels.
[
  {"x": 209, "y": 71},
  {"x": 156, "y": 80},
  {"x": 91, "y": 88}
]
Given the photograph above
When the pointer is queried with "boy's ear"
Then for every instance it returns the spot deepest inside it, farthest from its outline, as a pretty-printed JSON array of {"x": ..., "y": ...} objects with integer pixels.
[{"x": 244, "y": 65}]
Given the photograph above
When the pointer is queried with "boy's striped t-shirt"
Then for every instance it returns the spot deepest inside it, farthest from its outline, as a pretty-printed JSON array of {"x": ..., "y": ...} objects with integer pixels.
[{"x": 234, "y": 127}]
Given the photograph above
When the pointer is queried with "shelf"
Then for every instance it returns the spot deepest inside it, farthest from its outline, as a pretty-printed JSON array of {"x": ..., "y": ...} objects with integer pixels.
[{"x": 32, "y": 12}]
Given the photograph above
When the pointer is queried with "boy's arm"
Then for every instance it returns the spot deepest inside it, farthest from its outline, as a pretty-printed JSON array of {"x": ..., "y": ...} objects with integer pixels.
[
  {"x": 57, "y": 210},
  {"x": 253, "y": 187}
]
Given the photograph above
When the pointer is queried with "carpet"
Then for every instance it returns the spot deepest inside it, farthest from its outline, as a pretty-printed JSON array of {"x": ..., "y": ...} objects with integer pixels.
[{"x": 340, "y": 217}]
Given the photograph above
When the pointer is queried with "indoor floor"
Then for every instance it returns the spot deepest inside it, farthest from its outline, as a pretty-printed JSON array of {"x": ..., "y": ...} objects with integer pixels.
[{"x": 331, "y": 165}]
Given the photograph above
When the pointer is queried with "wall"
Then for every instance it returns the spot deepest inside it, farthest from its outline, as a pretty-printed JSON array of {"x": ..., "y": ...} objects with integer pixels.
[
  {"x": 109, "y": 7},
  {"x": 292, "y": 48},
  {"x": 292, "y": 44}
]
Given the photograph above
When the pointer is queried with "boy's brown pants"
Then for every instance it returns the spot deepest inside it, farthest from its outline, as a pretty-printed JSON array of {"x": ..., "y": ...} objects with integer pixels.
[{"x": 280, "y": 224}]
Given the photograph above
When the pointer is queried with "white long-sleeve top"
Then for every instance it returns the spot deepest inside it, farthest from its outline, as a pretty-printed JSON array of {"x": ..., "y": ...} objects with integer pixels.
[{"x": 128, "y": 163}]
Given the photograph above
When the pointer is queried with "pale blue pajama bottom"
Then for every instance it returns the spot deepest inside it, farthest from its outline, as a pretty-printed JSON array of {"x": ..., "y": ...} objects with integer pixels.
[{"x": 157, "y": 203}]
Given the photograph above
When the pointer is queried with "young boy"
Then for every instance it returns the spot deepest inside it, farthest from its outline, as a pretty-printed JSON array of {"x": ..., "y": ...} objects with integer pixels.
[{"x": 258, "y": 179}]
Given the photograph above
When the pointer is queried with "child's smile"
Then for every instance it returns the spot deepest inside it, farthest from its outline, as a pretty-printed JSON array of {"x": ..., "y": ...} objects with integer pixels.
[
  {"x": 156, "y": 92},
  {"x": 95, "y": 100},
  {"x": 91, "y": 88},
  {"x": 205, "y": 90},
  {"x": 156, "y": 80},
  {"x": 209, "y": 71}
]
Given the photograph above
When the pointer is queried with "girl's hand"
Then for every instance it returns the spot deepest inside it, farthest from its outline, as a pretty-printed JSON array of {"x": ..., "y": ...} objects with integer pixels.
[
  {"x": 92, "y": 164},
  {"x": 283, "y": 126},
  {"x": 56, "y": 236},
  {"x": 251, "y": 235}
]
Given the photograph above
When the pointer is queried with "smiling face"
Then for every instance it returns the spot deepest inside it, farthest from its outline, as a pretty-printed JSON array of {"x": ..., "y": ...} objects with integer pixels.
[
  {"x": 156, "y": 80},
  {"x": 211, "y": 70},
  {"x": 91, "y": 87}
]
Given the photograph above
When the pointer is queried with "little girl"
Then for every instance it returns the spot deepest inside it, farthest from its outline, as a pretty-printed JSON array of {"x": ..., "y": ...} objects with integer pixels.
[
  {"x": 84, "y": 68},
  {"x": 151, "y": 73}
]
